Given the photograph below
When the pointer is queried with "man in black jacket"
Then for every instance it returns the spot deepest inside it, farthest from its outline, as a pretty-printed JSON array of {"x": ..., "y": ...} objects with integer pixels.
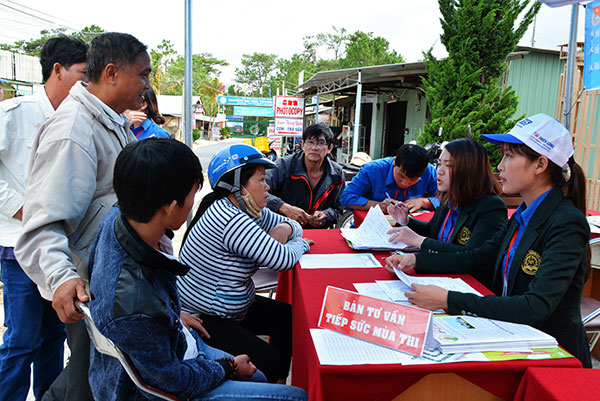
[{"x": 307, "y": 185}]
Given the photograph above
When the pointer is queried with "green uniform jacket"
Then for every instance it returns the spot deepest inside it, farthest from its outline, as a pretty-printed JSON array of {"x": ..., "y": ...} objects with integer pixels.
[
  {"x": 476, "y": 223},
  {"x": 546, "y": 276}
]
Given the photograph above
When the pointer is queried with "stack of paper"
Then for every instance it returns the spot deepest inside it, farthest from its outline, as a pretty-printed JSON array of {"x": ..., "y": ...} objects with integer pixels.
[
  {"x": 372, "y": 233},
  {"x": 454, "y": 334}
]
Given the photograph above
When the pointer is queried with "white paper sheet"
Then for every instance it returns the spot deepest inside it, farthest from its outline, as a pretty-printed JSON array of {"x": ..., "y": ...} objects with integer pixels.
[
  {"x": 372, "y": 233},
  {"x": 338, "y": 349},
  {"x": 448, "y": 283},
  {"x": 372, "y": 290},
  {"x": 339, "y": 261}
]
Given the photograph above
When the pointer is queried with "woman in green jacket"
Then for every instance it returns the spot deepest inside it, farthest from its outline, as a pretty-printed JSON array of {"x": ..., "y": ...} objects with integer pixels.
[
  {"x": 471, "y": 211},
  {"x": 537, "y": 265}
]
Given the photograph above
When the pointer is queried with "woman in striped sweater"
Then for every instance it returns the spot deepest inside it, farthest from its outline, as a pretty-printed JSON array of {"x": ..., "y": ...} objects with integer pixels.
[{"x": 231, "y": 236}]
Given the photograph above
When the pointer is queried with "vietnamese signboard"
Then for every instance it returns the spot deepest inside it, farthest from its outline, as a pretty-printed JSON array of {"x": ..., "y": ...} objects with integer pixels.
[
  {"x": 289, "y": 115},
  {"x": 288, "y": 107},
  {"x": 245, "y": 101},
  {"x": 401, "y": 327},
  {"x": 591, "y": 59},
  {"x": 274, "y": 141},
  {"x": 288, "y": 127},
  {"x": 253, "y": 111}
]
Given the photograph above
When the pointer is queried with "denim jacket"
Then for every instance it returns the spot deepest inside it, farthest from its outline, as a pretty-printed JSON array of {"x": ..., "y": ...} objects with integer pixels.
[{"x": 134, "y": 303}]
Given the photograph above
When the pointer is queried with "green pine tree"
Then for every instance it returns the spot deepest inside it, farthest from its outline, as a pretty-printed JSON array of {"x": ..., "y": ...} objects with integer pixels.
[{"x": 465, "y": 88}]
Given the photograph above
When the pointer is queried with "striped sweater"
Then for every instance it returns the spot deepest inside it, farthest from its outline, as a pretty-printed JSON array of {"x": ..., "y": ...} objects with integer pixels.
[{"x": 223, "y": 250}]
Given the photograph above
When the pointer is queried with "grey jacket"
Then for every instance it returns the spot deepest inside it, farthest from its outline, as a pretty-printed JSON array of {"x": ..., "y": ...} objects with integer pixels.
[{"x": 69, "y": 188}]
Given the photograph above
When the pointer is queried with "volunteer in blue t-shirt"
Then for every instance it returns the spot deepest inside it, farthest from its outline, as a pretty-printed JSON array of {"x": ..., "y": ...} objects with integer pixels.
[{"x": 407, "y": 177}]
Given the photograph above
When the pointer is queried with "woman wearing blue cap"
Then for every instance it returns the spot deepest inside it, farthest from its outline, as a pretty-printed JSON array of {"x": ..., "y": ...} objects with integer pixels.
[
  {"x": 537, "y": 265},
  {"x": 231, "y": 236}
]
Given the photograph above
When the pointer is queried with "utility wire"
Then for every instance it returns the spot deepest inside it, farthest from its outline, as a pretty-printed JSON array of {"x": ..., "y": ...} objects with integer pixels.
[
  {"x": 37, "y": 17},
  {"x": 40, "y": 12}
]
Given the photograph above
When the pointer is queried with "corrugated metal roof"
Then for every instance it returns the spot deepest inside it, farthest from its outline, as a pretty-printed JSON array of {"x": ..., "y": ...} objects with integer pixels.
[{"x": 403, "y": 75}]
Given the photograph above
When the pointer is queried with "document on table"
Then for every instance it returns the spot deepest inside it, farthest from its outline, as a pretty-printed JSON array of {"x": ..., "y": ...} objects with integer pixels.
[
  {"x": 474, "y": 334},
  {"x": 339, "y": 261},
  {"x": 338, "y": 349},
  {"x": 372, "y": 290},
  {"x": 372, "y": 233},
  {"x": 450, "y": 284}
]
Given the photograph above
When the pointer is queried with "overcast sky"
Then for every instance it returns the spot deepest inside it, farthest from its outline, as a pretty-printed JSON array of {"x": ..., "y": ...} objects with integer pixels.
[{"x": 228, "y": 29}]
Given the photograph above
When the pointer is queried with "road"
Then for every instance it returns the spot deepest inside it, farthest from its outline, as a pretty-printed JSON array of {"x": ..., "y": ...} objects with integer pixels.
[{"x": 206, "y": 149}]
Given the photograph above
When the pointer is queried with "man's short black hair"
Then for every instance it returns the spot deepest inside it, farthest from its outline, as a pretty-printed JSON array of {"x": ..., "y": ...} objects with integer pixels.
[
  {"x": 315, "y": 131},
  {"x": 112, "y": 47},
  {"x": 63, "y": 50},
  {"x": 413, "y": 160},
  {"x": 151, "y": 173}
]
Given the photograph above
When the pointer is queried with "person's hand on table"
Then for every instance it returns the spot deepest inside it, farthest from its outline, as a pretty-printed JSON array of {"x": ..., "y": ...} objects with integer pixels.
[
  {"x": 399, "y": 212},
  {"x": 429, "y": 297},
  {"x": 245, "y": 367},
  {"x": 385, "y": 203},
  {"x": 281, "y": 232},
  {"x": 309, "y": 241},
  {"x": 418, "y": 203},
  {"x": 195, "y": 323},
  {"x": 405, "y": 263},
  {"x": 317, "y": 219},
  {"x": 406, "y": 235},
  {"x": 64, "y": 297},
  {"x": 294, "y": 213}
]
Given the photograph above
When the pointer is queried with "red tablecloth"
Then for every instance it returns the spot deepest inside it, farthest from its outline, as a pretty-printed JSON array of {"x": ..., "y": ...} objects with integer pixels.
[
  {"x": 372, "y": 382},
  {"x": 560, "y": 384}
]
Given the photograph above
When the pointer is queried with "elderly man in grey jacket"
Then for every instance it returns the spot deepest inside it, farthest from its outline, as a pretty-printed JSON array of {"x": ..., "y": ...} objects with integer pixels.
[
  {"x": 306, "y": 186},
  {"x": 69, "y": 188}
]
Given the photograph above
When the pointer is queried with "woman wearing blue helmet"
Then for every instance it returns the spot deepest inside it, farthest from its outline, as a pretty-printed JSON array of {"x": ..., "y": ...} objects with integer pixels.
[{"x": 231, "y": 236}]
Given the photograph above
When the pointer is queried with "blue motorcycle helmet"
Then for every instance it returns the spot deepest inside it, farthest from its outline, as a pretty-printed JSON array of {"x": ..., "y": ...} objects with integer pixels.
[{"x": 234, "y": 157}]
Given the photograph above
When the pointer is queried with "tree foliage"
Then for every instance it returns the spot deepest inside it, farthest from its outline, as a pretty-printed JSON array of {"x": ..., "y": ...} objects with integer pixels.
[
  {"x": 364, "y": 50},
  {"x": 32, "y": 47},
  {"x": 348, "y": 50},
  {"x": 465, "y": 88},
  {"x": 257, "y": 69}
]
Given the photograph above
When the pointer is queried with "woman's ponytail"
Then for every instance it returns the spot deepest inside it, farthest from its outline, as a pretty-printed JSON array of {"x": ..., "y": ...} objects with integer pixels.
[
  {"x": 572, "y": 181},
  {"x": 574, "y": 186}
]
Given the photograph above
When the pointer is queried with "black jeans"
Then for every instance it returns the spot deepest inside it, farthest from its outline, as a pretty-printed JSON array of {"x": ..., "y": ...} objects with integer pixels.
[
  {"x": 265, "y": 317},
  {"x": 73, "y": 384}
]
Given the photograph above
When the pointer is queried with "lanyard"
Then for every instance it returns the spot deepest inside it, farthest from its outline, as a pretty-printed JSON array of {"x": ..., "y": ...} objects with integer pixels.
[
  {"x": 444, "y": 226},
  {"x": 396, "y": 195},
  {"x": 506, "y": 269},
  {"x": 139, "y": 133}
]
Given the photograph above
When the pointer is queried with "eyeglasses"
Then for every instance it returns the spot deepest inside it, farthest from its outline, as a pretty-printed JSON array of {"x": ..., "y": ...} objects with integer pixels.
[{"x": 313, "y": 144}]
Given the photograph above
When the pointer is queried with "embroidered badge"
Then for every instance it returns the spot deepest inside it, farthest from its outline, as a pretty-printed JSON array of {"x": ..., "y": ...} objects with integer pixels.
[
  {"x": 464, "y": 235},
  {"x": 531, "y": 262}
]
